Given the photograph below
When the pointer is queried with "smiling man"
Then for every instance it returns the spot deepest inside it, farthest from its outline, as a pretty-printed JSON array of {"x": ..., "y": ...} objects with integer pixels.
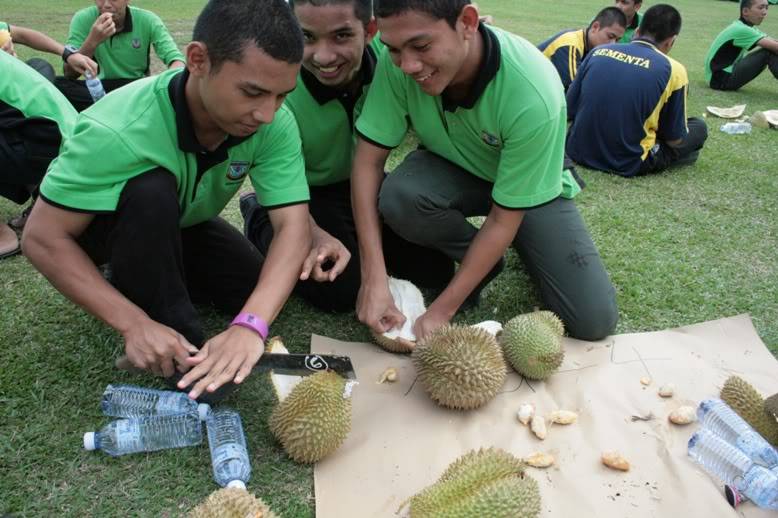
[
  {"x": 338, "y": 65},
  {"x": 489, "y": 112},
  {"x": 741, "y": 51},
  {"x": 568, "y": 48},
  {"x": 119, "y": 37},
  {"x": 143, "y": 178}
]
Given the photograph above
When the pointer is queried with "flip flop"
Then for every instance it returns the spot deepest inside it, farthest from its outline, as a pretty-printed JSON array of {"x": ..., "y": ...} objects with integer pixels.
[{"x": 10, "y": 249}]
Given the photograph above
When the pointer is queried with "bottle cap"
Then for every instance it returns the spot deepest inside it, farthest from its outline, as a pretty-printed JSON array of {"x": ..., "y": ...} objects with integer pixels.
[
  {"x": 237, "y": 483},
  {"x": 203, "y": 409},
  {"x": 733, "y": 496},
  {"x": 89, "y": 441}
]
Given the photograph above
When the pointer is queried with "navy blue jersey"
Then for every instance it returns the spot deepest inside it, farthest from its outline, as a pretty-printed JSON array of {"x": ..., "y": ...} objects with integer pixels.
[
  {"x": 625, "y": 98},
  {"x": 566, "y": 50}
]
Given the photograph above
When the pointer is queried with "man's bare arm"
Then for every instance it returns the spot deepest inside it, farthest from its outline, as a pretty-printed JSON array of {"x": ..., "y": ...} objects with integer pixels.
[{"x": 770, "y": 44}]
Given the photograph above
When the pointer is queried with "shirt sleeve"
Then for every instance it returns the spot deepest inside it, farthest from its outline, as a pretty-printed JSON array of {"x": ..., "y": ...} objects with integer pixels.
[
  {"x": 80, "y": 26},
  {"x": 384, "y": 115},
  {"x": 566, "y": 60},
  {"x": 163, "y": 42},
  {"x": 278, "y": 173},
  {"x": 746, "y": 37},
  {"x": 672, "y": 117}
]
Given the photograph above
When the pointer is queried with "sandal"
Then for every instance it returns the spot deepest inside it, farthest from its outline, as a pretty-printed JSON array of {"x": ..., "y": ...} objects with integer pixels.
[{"x": 9, "y": 242}]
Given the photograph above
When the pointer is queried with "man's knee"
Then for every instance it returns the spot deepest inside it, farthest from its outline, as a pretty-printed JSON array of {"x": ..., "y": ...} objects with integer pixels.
[
  {"x": 399, "y": 202},
  {"x": 151, "y": 198},
  {"x": 698, "y": 131},
  {"x": 593, "y": 321}
]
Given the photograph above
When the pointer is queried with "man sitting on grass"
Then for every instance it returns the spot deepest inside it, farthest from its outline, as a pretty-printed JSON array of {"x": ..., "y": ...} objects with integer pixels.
[
  {"x": 628, "y": 104},
  {"x": 568, "y": 48},
  {"x": 34, "y": 119},
  {"x": 119, "y": 37},
  {"x": 489, "y": 112},
  {"x": 741, "y": 51},
  {"x": 338, "y": 65},
  {"x": 142, "y": 180},
  {"x": 631, "y": 9}
]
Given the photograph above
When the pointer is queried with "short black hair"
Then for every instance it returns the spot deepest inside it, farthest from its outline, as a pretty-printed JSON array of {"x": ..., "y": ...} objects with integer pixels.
[
  {"x": 363, "y": 9},
  {"x": 448, "y": 10},
  {"x": 610, "y": 16},
  {"x": 745, "y": 4},
  {"x": 227, "y": 27},
  {"x": 660, "y": 22}
]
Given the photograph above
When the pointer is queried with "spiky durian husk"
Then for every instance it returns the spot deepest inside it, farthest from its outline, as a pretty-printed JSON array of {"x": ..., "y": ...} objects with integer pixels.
[
  {"x": 232, "y": 503},
  {"x": 532, "y": 344},
  {"x": 460, "y": 366},
  {"x": 487, "y": 482},
  {"x": 314, "y": 420},
  {"x": 749, "y": 404}
]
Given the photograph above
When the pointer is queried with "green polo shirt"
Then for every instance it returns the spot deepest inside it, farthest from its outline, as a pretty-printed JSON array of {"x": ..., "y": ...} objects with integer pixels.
[
  {"x": 629, "y": 32},
  {"x": 147, "y": 125},
  {"x": 510, "y": 130},
  {"x": 125, "y": 55},
  {"x": 4, "y": 26},
  {"x": 730, "y": 46},
  {"x": 326, "y": 118},
  {"x": 24, "y": 90}
]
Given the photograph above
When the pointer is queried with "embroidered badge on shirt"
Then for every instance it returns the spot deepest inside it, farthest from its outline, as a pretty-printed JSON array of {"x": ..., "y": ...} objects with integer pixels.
[
  {"x": 136, "y": 43},
  {"x": 490, "y": 139},
  {"x": 237, "y": 170}
]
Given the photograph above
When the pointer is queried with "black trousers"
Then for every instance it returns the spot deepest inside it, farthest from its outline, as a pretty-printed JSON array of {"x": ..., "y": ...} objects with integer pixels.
[
  {"x": 746, "y": 70},
  {"x": 665, "y": 157},
  {"x": 165, "y": 269},
  {"x": 78, "y": 94},
  {"x": 330, "y": 207}
]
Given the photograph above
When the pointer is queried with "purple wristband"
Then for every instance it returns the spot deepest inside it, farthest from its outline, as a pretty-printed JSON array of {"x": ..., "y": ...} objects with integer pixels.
[{"x": 252, "y": 322}]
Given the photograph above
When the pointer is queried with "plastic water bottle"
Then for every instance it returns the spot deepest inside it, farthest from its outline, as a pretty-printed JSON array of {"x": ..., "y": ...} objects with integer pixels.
[
  {"x": 229, "y": 456},
  {"x": 735, "y": 468},
  {"x": 151, "y": 433},
  {"x": 736, "y": 128},
  {"x": 719, "y": 418},
  {"x": 132, "y": 401},
  {"x": 95, "y": 86}
]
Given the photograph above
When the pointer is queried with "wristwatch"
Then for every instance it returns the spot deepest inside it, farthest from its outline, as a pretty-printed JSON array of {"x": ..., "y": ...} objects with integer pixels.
[{"x": 69, "y": 51}]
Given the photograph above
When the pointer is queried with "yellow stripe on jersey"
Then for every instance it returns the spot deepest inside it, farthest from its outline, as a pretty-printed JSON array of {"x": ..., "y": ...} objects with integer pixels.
[{"x": 678, "y": 80}]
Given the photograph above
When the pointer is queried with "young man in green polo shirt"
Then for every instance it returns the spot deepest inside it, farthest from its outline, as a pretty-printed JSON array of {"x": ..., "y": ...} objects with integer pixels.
[
  {"x": 338, "y": 66},
  {"x": 119, "y": 37},
  {"x": 631, "y": 9},
  {"x": 741, "y": 51},
  {"x": 34, "y": 119},
  {"x": 143, "y": 178},
  {"x": 568, "y": 48},
  {"x": 489, "y": 112}
]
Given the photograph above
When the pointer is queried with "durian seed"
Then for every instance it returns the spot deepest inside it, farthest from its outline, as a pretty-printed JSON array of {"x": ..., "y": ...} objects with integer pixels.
[
  {"x": 389, "y": 374},
  {"x": 526, "y": 413},
  {"x": 540, "y": 460},
  {"x": 682, "y": 415},
  {"x": 614, "y": 460},
  {"x": 538, "y": 427},
  {"x": 562, "y": 417},
  {"x": 645, "y": 380},
  {"x": 666, "y": 390}
]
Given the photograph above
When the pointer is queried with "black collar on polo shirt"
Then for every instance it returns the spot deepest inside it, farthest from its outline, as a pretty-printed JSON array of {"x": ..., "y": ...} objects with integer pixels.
[
  {"x": 746, "y": 22},
  {"x": 187, "y": 140},
  {"x": 634, "y": 23},
  {"x": 490, "y": 64},
  {"x": 324, "y": 94},
  {"x": 127, "y": 21}
]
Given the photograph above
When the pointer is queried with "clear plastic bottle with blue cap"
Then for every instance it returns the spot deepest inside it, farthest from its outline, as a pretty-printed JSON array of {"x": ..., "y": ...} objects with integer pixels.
[
  {"x": 142, "y": 434},
  {"x": 132, "y": 401},
  {"x": 229, "y": 455},
  {"x": 95, "y": 86}
]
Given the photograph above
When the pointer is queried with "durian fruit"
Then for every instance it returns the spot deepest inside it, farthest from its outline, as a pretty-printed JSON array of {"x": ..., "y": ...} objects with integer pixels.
[
  {"x": 532, "y": 344},
  {"x": 748, "y": 403},
  {"x": 410, "y": 302},
  {"x": 232, "y": 503},
  {"x": 771, "y": 405},
  {"x": 487, "y": 482},
  {"x": 314, "y": 420},
  {"x": 460, "y": 366}
]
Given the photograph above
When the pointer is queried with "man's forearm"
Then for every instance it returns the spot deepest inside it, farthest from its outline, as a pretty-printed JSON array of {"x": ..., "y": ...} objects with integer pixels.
[
  {"x": 37, "y": 40},
  {"x": 71, "y": 271},
  {"x": 366, "y": 180}
]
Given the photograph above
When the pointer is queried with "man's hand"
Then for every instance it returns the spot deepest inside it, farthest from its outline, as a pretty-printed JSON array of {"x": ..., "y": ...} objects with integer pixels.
[
  {"x": 8, "y": 47},
  {"x": 153, "y": 346},
  {"x": 103, "y": 28},
  {"x": 376, "y": 309},
  {"x": 325, "y": 248},
  {"x": 428, "y": 323},
  {"x": 82, "y": 64},
  {"x": 228, "y": 356}
]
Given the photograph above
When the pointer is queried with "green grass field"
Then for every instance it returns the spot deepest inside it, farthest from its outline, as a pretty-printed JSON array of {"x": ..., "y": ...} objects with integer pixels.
[{"x": 695, "y": 244}]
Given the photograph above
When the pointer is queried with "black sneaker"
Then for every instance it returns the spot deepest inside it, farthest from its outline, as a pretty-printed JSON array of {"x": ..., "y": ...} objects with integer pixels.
[{"x": 474, "y": 298}]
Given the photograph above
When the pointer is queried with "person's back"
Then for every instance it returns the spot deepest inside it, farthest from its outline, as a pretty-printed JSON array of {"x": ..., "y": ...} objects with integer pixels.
[
  {"x": 629, "y": 100},
  {"x": 741, "y": 51}
]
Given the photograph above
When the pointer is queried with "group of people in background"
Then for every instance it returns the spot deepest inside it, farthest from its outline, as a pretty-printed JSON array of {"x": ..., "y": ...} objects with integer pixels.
[{"x": 307, "y": 99}]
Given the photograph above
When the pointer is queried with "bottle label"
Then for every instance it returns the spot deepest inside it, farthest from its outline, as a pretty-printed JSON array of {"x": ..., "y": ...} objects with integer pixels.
[
  {"x": 227, "y": 452},
  {"x": 128, "y": 435}
]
